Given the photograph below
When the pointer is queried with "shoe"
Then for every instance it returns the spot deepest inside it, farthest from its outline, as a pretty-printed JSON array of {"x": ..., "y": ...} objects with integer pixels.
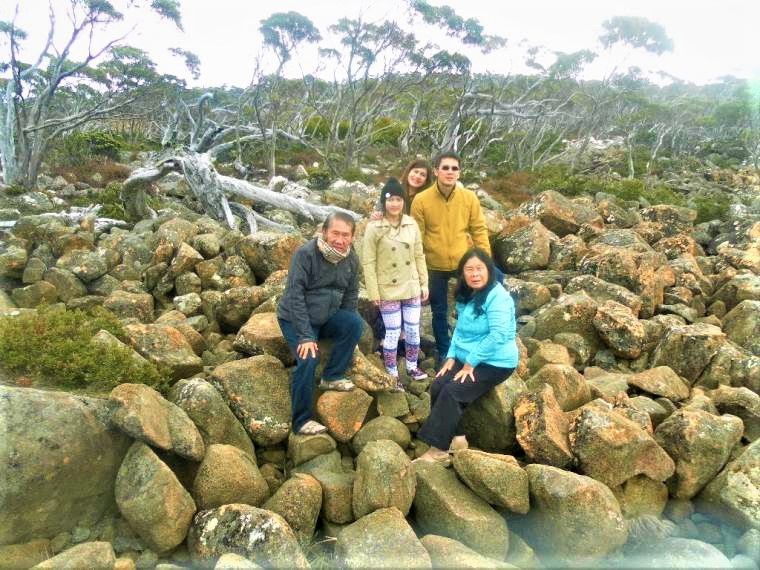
[
  {"x": 417, "y": 374},
  {"x": 312, "y": 428},
  {"x": 339, "y": 385},
  {"x": 459, "y": 443}
]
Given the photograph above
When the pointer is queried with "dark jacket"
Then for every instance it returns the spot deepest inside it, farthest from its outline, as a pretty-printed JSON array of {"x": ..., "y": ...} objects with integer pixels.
[{"x": 316, "y": 289}]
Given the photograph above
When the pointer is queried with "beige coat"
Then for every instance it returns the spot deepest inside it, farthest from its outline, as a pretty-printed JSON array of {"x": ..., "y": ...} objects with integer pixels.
[{"x": 394, "y": 265}]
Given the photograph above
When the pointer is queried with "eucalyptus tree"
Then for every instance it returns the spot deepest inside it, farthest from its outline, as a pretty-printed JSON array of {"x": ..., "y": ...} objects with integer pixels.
[{"x": 99, "y": 84}]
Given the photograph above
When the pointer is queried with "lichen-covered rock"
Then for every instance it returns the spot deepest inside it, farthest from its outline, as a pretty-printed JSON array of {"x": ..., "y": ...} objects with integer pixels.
[
  {"x": 557, "y": 212},
  {"x": 640, "y": 496},
  {"x": 542, "y": 428},
  {"x": 86, "y": 265},
  {"x": 267, "y": 252},
  {"x": 343, "y": 412},
  {"x": 732, "y": 366},
  {"x": 443, "y": 505},
  {"x": 228, "y": 475},
  {"x": 382, "y": 539},
  {"x": 13, "y": 260},
  {"x": 34, "y": 295},
  {"x": 660, "y": 381},
  {"x": 700, "y": 444},
  {"x": 620, "y": 330},
  {"x": 90, "y": 555},
  {"x": 126, "y": 305},
  {"x": 574, "y": 516},
  {"x": 61, "y": 436},
  {"x": 449, "y": 553},
  {"x": 496, "y": 478},
  {"x": 152, "y": 500},
  {"x": 379, "y": 428},
  {"x": 259, "y": 535},
  {"x": 302, "y": 448},
  {"x": 237, "y": 303},
  {"x": 215, "y": 421},
  {"x": 687, "y": 349},
  {"x": 298, "y": 501},
  {"x": 602, "y": 291},
  {"x": 489, "y": 422},
  {"x": 742, "y": 403},
  {"x": 568, "y": 314},
  {"x": 570, "y": 388},
  {"x": 165, "y": 346},
  {"x": 525, "y": 249},
  {"x": 67, "y": 285},
  {"x": 144, "y": 414},
  {"x": 257, "y": 390},
  {"x": 742, "y": 325},
  {"x": 261, "y": 333},
  {"x": 612, "y": 449},
  {"x": 384, "y": 478}
]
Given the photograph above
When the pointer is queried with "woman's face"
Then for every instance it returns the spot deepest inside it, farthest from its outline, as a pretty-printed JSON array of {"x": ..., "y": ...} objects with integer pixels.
[
  {"x": 416, "y": 178},
  {"x": 394, "y": 205},
  {"x": 475, "y": 273}
]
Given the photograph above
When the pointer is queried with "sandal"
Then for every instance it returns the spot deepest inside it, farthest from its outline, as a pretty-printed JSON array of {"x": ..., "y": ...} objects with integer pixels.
[
  {"x": 312, "y": 428},
  {"x": 340, "y": 385}
]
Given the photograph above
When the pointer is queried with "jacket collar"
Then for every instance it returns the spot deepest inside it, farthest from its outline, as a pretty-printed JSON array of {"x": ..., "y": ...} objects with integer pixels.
[{"x": 405, "y": 221}]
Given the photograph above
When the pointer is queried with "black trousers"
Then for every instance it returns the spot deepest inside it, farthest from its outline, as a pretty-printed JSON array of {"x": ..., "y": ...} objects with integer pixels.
[{"x": 449, "y": 400}]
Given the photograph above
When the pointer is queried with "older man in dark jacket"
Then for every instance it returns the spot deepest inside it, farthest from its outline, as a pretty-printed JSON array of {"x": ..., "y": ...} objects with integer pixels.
[{"x": 320, "y": 301}]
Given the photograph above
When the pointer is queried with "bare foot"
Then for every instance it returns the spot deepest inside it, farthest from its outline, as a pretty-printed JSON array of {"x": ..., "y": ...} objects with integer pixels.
[{"x": 458, "y": 443}]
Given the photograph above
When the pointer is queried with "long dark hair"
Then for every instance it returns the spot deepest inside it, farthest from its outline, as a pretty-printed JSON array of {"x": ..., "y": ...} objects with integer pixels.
[
  {"x": 416, "y": 163},
  {"x": 465, "y": 293}
]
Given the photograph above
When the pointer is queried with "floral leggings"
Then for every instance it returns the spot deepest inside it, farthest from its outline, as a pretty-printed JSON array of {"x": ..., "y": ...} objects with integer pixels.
[{"x": 395, "y": 314}]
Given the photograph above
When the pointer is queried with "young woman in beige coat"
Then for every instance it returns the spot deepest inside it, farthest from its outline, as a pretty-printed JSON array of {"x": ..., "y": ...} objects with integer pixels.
[{"x": 395, "y": 275}]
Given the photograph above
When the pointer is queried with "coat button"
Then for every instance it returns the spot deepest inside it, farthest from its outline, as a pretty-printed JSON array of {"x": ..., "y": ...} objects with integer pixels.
[
  {"x": 407, "y": 245},
  {"x": 393, "y": 249},
  {"x": 394, "y": 281},
  {"x": 394, "y": 265},
  {"x": 408, "y": 262}
]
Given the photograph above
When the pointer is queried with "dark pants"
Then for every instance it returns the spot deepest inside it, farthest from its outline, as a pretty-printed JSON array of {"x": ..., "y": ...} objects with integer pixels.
[
  {"x": 345, "y": 329},
  {"x": 450, "y": 398},
  {"x": 438, "y": 284}
]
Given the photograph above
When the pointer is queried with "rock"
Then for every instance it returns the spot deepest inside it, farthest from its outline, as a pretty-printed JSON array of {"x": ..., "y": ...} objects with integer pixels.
[
  {"x": 735, "y": 493},
  {"x": 660, "y": 381},
  {"x": 142, "y": 413},
  {"x": 677, "y": 553},
  {"x": 570, "y": 388},
  {"x": 732, "y": 366},
  {"x": 152, "y": 500},
  {"x": 688, "y": 349},
  {"x": 607, "y": 384},
  {"x": 185, "y": 259},
  {"x": 382, "y": 539},
  {"x": 620, "y": 330},
  {"x": 165, "y": 346},
  {"x": 86, "y": 265},
  {"x": 742, "y": 403},
  {"x": 261, "y": 333},
  {"x": 174, "y": 232},
  {"x": 640, "y": 496},
  {"x": 528, "y": 295},
  {"x": 228, "y": 475},
  {"x": 700, "y": 444},
  {"x": 549, "y": 353},
  {"x": 34, "y": 295},
  {"x": 384, "y": 478},
  {"x": 24, "y": 555},
  {"x": 741, "y": 287},
  {"x": 602, "y": 291},
  {"x": 230, "y": 561},
  {"x": 489, "y": 422},
  {"x": 237, "y": 303},
  {"x": 90, "y": 555},
  {"x": 542, "y": 428},
  {"x": 61, "y": 436},
  {"x": 612, "y": 449},
  {"x": 13, "y": 260},
  {"x": 366, "y": 375},
  {"x": 206, "y": 408},
  {"x": 189, "y": 304},
  {"x": 66, "y": 284},
  {"x": 742, "y": 325},
  {"x": 267, "y": 252},
  {"x": 257, "y": 390},
  {"x": 393, "y": 404},
  {"x": 654, "y": 410},
  {"x": 258, "y": 535},
  {"x": 525, "y": 249},
  {"x": 298, "y": 501},
  {"x": 448, "y": 553},
  {"x": 575, "y": 517},
  {"x": 379, "y": 428},
  {"x": 749, "y": 544},
  {"x": 569, "y": 314},
  {"x": 127, "y": 305},
  {"x": 498, "y": 479},
  {"x": 343, "y": 412},
  {"x": 337, "y": 486},
  {"x": 302, "y": 448},
  {"x": 566, "y": 252},
  {"x": 445, "y": 506}
]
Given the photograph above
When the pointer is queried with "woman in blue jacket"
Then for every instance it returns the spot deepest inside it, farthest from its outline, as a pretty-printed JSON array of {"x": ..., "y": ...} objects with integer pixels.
[{"x": 483, "y": 353}]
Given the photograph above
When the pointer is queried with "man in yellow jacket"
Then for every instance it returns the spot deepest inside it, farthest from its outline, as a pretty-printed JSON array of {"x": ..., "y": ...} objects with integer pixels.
[{"x": 450, "y": 221}]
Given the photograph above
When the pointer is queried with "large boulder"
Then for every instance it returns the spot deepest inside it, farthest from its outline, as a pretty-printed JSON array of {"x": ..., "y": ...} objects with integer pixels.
[
  {"x": 343, "y": 412},
  {"x": 86, "y": 265},
  {"x": 259, "y": 535},
  {"x": 542, "y": 428},
  {"x": 569, "y": 314},
  {"x": 443, "y": 505},
  {"x": 262, "y": 333},
  {"x": 228, "y": 475},
  {"x": 570, "y": 388},
  {"x": 558, "y": 213},
  {"x": 641, "y": 496},
  {"x": 742, "y": 325},
  {"x": 298, "y": 501},
  {"x": 688, "y": 349},
  {"x": 700, "y": 443},
  {"x": 215, "y": 421},
  {"x": 489, "y": 422},
  {"x": 166, "y": 347},
  {"x": 573, "y": 516},
  {"x": 677, "y": 553},
  {"x": 152, "y": 500},
  {"x": 602, "y": 291},
  {"x": 302, "y": 448},
  {"x": 49, "y": 439},
  {"x": 382, "y": 539},
  {"x": 498, "y": 479},
  {"x": 257, "y": 390},
  {"x": 144, "y": 414},
  {"x": 267, "y": 252},
  {"x": 384, "y": 478},
  {"x": 379, "y": 428},
  {"x": 611, "y": 448},
  {"x": 91, "y": 555},
  {"x": 742, "y": 403},
  {"x": 660, "y": 381},
  {"x": 449, "y": 553},
  {"x": 525, "y": 249},
  {"x": 620, "y": 330}
]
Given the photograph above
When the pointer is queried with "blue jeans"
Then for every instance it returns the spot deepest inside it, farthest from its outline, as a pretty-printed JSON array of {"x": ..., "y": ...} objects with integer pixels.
[{"x": 345, "y": 329}]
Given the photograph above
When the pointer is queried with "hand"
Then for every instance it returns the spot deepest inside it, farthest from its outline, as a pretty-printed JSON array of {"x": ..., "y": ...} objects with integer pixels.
[
  {"x": 467, "y": 371},
  {"x": 424, "y": 297},
  {"x": 448, "y": 365},
  {"x": 307, "y": 348},
  {"x": 376, "y": 215},
  {"x": 376, "y": 303}
]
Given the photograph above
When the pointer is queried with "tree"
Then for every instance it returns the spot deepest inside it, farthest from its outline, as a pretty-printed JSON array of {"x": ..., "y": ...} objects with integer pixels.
[{"x": 106, "y": 78}]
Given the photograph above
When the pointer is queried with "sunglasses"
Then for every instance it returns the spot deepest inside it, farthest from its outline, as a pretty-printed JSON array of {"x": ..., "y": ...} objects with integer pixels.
[{"x": 447, "y": 167}]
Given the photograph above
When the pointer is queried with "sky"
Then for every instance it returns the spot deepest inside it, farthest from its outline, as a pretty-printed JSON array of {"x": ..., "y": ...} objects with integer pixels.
[{"x": 711, "y": 39}]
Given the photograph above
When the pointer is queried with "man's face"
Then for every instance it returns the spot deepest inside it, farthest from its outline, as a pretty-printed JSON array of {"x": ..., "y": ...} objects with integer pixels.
[
  {"x": 339, "y": 235},
  {"x": 448, "y": 171}
]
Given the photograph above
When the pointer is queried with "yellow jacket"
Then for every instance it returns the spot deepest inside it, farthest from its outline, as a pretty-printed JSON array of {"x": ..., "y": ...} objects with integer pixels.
[
  {"x": 393, "y": 262},
  {"x": 448, "y": 226}
]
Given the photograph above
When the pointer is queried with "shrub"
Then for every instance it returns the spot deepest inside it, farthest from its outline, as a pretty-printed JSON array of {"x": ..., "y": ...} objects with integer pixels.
[
  {"x": 317, "y": 127},
  {"x": 387, "y": 131},
  {"x": 319, "y": 178},
  {"x": 109, "y": 198},
  {"x": 52, "y": 346},
  {"x": 711, "y": 208},
  {"x": 354, "y": 173},
  {"x": 78, "y": 148},
  {"x": 560, "y": 177},
  {"x": 511, "y": 189}
]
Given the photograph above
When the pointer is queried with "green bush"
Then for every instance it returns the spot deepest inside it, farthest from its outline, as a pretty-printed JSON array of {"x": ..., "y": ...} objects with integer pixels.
[
  {"x": 354, "y": 173},
  {"x": 77, "y": 148},
  {"x": 387, "y": 131},
  {"x": 317, "y": 127},
  {"x": 560, "y": 177},
  {"x": 711, "y": 208},
  {"x": 53, "y": 346},
  {"x": 109, "y": 197},
  {"x": 319, "y": 177}
]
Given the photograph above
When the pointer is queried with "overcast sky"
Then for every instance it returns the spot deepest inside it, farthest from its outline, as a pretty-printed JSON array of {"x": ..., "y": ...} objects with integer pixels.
[{"x": 711, "y": 39}]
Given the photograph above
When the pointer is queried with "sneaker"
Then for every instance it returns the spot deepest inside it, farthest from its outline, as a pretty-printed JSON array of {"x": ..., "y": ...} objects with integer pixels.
[
  {"x": 417, "y": 374},
  {"x": 339, "y": 385}
]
